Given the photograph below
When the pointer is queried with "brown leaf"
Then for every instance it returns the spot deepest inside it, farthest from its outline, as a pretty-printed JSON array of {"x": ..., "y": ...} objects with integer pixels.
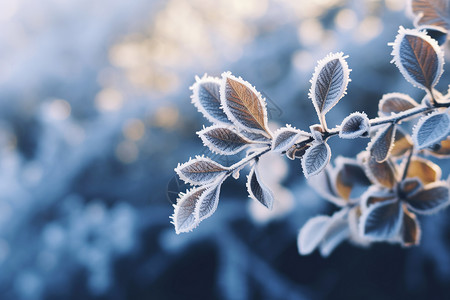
[
  {"x": 243, "y": 104},
  {"x": 395, "y": 103},
  {"x": 441, "y": 150},
  {"x": 424, "y": 169},
  {"x": 411, "y": 229},
  {"x": 432, "y": 12},
  {"x": 402, "y": 143},
  {"x": 376, "y": 195},
  {"x": 409, "y": 187},
  {"x": 200, "y": 171},
  {"x": 382, "y": 173},
  {"x": 349, "y": 175},
  {"x": 382, "y": 143},
  {"x": 223, "y": 140}
]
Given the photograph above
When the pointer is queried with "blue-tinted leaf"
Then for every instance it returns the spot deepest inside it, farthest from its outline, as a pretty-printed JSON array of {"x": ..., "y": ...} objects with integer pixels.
[
  {"x": 409, "y": 187},
  {"x": 431, "y": 129},
  {"x": 432, "y": 198},
  {"x": 223, "y": 140},
  {"x": 382, "y": 143},
  {"x": 243, "y": 105},
  {"x": 418, "y": 57},
  {"x": 382, "y": 221},
  {"x": 395, "y": 103},
  {"x": 207, "y": 203},
  {"x": 206, "y": 97},
  {"x": 285, "y": 137},
  {"x": 200, "y": 171},
  {"x": 355, "y": 125},
  {"x": 315, "y": 159},
  {"x": 336, "y": 234},
  {"x": 312, "y": 234},
  {"x": 255, "y": 137},
  {"x": 257, "y": 189},
  {"x": 329, "y": 82},
  {"x": 184, "y": 217}
]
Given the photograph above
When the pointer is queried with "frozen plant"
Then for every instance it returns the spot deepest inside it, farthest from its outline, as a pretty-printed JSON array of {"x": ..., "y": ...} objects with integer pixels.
[{"x": 381, "y": 191}]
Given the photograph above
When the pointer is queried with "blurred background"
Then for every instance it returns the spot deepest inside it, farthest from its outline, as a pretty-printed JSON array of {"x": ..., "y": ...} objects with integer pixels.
[{"x": 95, "y": 114}]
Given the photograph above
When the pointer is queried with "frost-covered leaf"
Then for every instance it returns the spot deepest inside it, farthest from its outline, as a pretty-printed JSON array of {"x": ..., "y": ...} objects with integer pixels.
[
  {"x": 424, "y": 169},
  {"x": 323, "y": 184},
  {"x": 382, "y": 143},
  {"x": 351, "y": 180},
  {"x": 395, "y": 103},
  {"x": 431, "y": 129},
  {"x": 432, "y": 198},
  {"x": 312, "y": 234},
  {"x": 418, "y": 57},
  {"x": 353, "y": 218},
  {"x": 382, "y": 173},
  {"x": 402, "y": 143},
  {"x": 410, "y": 230},
  {"x": 206, "y": 97},
  {"x": 257, "y": 189},
  {"x": 376, "y": 194},
  {"x": 442, "y": 149},
  {"x": 184, "y": 217},
  {"x": 409, "y": 187},
  {"x": 285, "y": 137},
  {"x": 200, "y": 171},
  {"x": 207, "y": 203},
  {"x": 294, "y": 152},
  {"x": 431, "y": 12},
  {"x": 315, "y": 159},
  {"x": 317, "y": 132},
  {"x": 437, "y": 33},
  {"x": 336, "y": 234},
  {"x": 255, "y": 137},
  {"x": 223, "y": 140},
  {"x": 329, "y": 82},
  {"x": 382, "y": 220},
  {"x": 355, "y": 125},
  {"x": 243, "y": 104}
]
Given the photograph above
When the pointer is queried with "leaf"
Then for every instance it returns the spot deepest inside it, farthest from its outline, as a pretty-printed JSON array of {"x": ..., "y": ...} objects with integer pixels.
[
  {"x": 424, "y": 169},
  {"x": 206, "y": 98},
  {"x": 402, "y": 143},
  {"x": 350, "y": 178},
  {"x": 323, "y": 184},
  {"x": 418, "y": 57},
  {"x": 183, "y": 217},
  {"x": 243, "y": 105},
  {"x": 431, "y": 12},
  {"x": 382, "y": 143},
  {"x": 222, "y": 140},
  {"x": 409, "y": 187},
  {"x": 312, "y": 234},
  {"x": 431, "y": 129},
  {"x": 411, "y": 229},
  {"x": 383, "y": 173},
  {"x": 395, "y": 103},
  {"x": 375, "y": 194},
  {"x": 355, "y": 125},
  {"x": 257, "y": 190},
  {"x": 382, "y": 220},
  {"x": 294, "y": 152},
  {"x": 441, "y": 150},
  {"x": 254, "y": 137},
  {"x": 431, "y": 199},
  {"x": 329, "y": 82},
  {"x": 285, "y": 137},
  {"x": 336, "y": 234},
  {"x": 200, "y": 171},
  {"x": 207, "y": 203},
  {"x": 316, "y": 158},
  {"x": 437, "y": 33}
]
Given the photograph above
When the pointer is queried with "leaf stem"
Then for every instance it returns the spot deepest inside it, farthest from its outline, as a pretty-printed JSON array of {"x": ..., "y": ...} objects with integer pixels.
[
  {"x": 247, "y": 160},
  {"x": 408, "y": 161}
]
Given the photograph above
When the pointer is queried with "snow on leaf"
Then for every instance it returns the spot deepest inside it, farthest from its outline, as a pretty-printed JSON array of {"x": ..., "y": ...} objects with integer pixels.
[
  {"x": 223, "y": 140},
  {"x": 255, "y": 137},
  {"x": 382, "y": 173},
  {"x": 382, "y": 221},
  {"x": 395, "y": 103},
  {"x": 410, "y": 230},
  {"x": 312, "y": 234},
  {"x": 382, "y": 143},
  {"x": 354, "y": 125},
  {"x": 200, "y": 171},
  {"x": 431, "y": 129},
  {"x": 431, "y": 199},
  {"x": 206, "y": 98},
  {"x": 431, "y": 12},
  {"x": 418, "y": 57},
  {"x": 207, "y": 203},
  {"x": 184, "y": 217},
  {"x": 243, "y": 105},
  {"x": 424, "y": 169},
  {"x": 329, "y": 82},
  {"x": 285, "y": 137},
  {"x": 316, "y": 158},
  {"x": 257, "y": 189}
]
